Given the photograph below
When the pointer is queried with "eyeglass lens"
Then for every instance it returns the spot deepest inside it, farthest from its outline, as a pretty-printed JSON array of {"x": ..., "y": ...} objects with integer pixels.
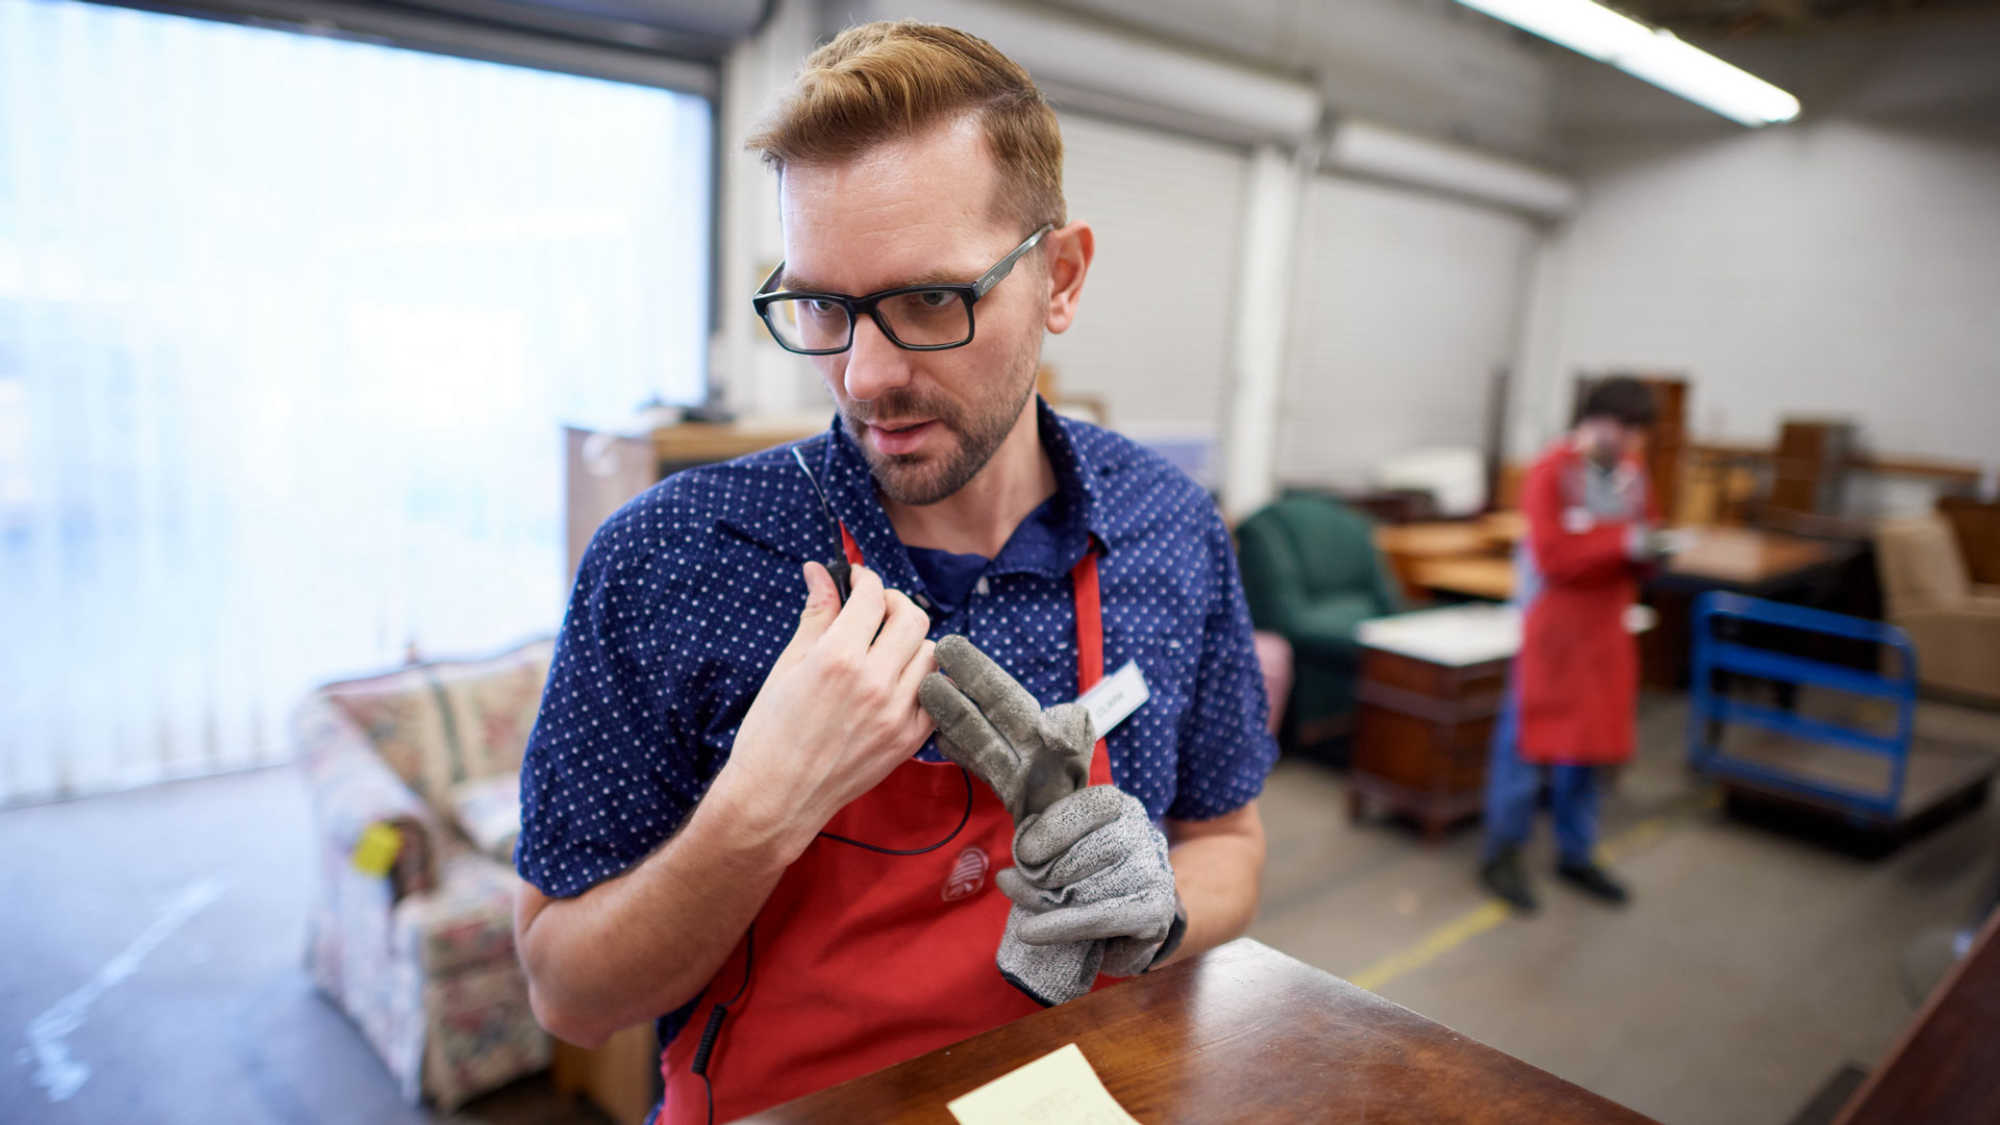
[{"x": 922, "y": 318}]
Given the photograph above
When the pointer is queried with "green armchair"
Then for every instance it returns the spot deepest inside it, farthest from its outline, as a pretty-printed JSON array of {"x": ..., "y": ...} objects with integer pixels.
[{"x": 1312, "y": 574}]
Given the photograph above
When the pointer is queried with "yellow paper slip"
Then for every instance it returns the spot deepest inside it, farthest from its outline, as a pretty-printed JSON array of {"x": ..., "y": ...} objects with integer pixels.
[{"x": 1059, "y": 1088}]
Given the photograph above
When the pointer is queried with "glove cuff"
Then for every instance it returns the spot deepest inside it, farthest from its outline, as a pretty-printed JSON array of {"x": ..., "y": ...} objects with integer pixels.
[{"x": 1175, "y": 932}]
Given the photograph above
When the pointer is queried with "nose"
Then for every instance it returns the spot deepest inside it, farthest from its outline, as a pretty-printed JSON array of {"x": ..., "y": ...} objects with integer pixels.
[{"x": 875, "y": 365}]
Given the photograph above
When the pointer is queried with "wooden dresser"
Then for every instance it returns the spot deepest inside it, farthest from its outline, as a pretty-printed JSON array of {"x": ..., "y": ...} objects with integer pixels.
[{"x": 1432, "y": 683}]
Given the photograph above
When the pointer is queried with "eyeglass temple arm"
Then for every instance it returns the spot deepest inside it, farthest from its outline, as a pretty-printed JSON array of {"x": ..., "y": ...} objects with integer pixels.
[
  {"x": 772, "y": 279},
  {"x": 1005, "y": 265}
]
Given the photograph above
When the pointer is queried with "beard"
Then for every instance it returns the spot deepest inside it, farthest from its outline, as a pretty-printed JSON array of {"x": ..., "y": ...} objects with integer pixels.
[{"x": 977, "y": 429}]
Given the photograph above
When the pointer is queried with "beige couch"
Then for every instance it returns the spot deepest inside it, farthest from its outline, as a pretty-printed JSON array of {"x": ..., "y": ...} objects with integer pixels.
[
  {"x": 1954, "y": 624},
  {"x": 417, "y": 947}
]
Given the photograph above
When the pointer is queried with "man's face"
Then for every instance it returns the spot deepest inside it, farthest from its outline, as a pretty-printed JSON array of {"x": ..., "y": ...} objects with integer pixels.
[
  {"x": 909, "y": 212},
  {"x": 1607, "y": 441}
]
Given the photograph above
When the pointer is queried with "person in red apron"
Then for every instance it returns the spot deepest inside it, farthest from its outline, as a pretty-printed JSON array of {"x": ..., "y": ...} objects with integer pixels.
[
  {"x": 735, "y": 818},
  {"x": 1573, "y": 692}
]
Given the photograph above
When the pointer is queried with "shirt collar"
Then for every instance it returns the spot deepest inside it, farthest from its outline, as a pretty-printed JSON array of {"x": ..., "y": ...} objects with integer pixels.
[{"x": 851, "y": 490}]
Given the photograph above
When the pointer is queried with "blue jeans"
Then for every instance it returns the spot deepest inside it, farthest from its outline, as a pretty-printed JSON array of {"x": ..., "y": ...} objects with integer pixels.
[{"x": 1512, "y": 785}]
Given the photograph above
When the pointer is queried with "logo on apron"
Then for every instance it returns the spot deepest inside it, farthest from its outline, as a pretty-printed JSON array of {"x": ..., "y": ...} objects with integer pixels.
[{"x": 968, "y": 875}]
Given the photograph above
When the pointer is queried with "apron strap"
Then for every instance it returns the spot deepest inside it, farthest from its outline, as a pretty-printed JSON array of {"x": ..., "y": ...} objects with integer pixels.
[{"x": 1089, "y": 629}]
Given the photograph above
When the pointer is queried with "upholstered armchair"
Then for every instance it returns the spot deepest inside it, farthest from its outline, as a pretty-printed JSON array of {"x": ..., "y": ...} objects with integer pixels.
[
  {"x": 1311, "y": 574},
  {"x": 414, "y": 785},
  {"x": 1954, "y": 624}
]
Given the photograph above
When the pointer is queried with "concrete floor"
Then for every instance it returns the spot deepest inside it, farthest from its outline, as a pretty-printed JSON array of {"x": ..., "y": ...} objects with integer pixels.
[{"x": 1749, "y": 969}]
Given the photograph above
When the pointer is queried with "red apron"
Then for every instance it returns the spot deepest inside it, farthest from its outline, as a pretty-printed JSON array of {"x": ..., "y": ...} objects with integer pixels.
[
  {"x": 862, "y": 960},
  {"x": 1578, "y": 670}
]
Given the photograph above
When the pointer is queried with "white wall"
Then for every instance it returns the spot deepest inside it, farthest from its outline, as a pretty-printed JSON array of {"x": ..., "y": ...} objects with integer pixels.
[
  {"x": 1837, "y": 268},
  {"x": 1846, "y": 265},
  {"x": 1405, "y": 305},
  {"x": 1152, "y": 334}
]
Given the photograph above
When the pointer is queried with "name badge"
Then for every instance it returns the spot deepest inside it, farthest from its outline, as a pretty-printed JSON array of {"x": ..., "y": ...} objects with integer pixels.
[
  {"x": 1115, "y": 697},
  {"x": 1577, "y": 521}
]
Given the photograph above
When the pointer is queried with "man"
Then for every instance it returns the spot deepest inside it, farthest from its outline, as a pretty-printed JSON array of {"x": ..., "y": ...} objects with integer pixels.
[
  {"x": 724, "y": 824},
  {"x": 1571, "y": 702}
]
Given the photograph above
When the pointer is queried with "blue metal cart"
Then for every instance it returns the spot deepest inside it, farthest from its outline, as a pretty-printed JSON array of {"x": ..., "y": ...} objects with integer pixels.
[{"x": 1876, "y": 776}]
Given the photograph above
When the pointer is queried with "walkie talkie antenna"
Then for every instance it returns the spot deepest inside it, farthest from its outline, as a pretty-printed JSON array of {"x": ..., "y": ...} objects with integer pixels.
[{"x": 837, "y": 568}]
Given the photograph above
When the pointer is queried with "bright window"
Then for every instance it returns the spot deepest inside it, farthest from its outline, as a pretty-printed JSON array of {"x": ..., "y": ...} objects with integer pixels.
[{"x": 288, "y": 328}]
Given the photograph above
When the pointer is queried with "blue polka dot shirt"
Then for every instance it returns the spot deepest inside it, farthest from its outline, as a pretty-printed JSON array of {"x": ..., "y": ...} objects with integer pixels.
[{"x": 688, "y": 593}]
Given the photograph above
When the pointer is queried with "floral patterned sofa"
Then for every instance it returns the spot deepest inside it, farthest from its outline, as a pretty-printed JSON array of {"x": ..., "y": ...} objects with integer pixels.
[{"x": 412, "y": 931}]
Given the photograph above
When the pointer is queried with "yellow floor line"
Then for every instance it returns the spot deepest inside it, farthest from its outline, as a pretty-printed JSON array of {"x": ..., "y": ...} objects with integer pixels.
[
  {"x": 1632, "y": 840},
  {"x": 1435, "y": 944},
  {"x": 1490, "y": 913}
]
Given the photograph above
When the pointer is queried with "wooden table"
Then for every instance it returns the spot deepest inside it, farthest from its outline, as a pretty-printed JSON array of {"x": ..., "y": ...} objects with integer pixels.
[
  {"x": 1509, "y": 525},
  {"x": 1946, "y": 1068},
  {"x": 1491, "y": 579},
  {"x": 1745, "y": 559},
  {"x": 1762, "y": 564},
  {"x": 1434, "y": 540},
  {"x": 1243, "y": 1033},
  {"x": 1409, "y": 545}
]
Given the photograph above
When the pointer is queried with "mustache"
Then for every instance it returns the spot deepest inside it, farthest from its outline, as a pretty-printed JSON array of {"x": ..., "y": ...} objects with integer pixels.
[{"x": 900, "y": 405}]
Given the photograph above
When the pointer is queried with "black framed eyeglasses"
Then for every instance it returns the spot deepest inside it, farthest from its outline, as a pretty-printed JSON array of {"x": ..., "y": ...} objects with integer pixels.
[{"x": 921, "y": 318}]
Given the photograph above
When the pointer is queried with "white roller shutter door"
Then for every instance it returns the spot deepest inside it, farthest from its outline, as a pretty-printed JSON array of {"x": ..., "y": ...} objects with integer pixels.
[
  {"x": 1405, "y": 305},
  {"x": 1152, "y": 333}
]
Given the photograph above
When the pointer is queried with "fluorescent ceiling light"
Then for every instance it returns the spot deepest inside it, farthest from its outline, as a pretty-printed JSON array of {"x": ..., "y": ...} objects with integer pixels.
[{"x": 1659, "y": 57}]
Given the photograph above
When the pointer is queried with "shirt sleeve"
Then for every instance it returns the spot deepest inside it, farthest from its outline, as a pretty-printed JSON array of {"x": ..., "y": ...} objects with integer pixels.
[
  {"x": 1226, "y": 748},
  {"x": 608, "y": 774}
]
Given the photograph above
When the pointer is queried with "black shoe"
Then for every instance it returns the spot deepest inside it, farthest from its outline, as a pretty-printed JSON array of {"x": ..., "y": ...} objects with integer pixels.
[
  {"x": 1503, "y": 876},
  {"x": 1593, "y": 881}
]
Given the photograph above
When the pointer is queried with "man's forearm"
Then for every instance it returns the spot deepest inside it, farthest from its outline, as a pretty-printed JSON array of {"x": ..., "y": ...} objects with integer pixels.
[
  {"x": 1218, "y": 867},
  {"x": 646, "y": 942}
]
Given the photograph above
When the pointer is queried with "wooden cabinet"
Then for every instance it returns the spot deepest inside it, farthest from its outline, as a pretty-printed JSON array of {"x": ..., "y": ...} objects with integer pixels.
[
  {"x": 1421, "y": 738},
  {"x": 603, "y": 469},
  {"x": 1432, "y": 684}
]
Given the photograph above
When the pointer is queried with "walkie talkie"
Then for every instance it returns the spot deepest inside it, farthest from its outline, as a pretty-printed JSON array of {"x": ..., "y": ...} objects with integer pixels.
[{"x": 837, "y": 568}]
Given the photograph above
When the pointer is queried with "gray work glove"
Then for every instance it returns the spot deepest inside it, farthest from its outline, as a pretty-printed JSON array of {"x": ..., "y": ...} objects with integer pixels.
[
  {"x": 1078, "y": 899},
  {"x": 1093, "y": 868}
]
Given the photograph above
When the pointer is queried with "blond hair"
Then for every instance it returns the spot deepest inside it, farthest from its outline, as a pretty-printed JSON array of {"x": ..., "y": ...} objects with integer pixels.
[{"x": 888, "y": 80}]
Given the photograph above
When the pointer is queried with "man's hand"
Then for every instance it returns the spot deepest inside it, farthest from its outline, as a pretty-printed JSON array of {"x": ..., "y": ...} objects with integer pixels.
[{"x": 838, "y": 710}]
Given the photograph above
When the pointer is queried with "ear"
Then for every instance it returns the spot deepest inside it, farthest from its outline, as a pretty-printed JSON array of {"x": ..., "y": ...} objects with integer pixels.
[{"x": 1069, "y": 250}]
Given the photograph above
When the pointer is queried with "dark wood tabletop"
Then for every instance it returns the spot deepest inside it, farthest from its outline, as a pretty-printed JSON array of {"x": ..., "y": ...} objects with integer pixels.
[
  {"x": 1242, "y": 1033},
  {"x": 1747, "y": 558},
  {"x": 1946, "y": 1069}
]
